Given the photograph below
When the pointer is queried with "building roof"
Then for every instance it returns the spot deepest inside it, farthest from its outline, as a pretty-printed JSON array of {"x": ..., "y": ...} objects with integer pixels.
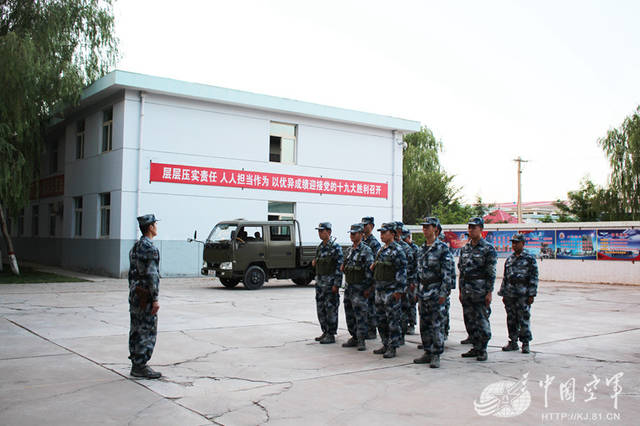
[{"x": 127, "y": 80}]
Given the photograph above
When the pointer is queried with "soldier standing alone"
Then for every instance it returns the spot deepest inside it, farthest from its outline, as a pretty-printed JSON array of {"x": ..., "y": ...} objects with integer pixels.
[
  {"x": 359, "y": 278},
  {"x": 436, "y": 272},
  {"x": 518, "y": 289},
  {"x": 144, "y": 280},
  {"x": 477, "y": 268},
  {"x": 390, "y": 277},
  {"x": 328, "y": 281},
  {"x": 373, "y": 243}
]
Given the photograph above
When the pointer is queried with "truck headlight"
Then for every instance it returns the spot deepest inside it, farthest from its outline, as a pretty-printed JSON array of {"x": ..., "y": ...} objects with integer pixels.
[{"x": 226, "y": 266}]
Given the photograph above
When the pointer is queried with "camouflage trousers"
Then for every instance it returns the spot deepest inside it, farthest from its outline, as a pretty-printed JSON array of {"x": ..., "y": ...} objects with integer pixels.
[
  {"x": 356, "y": 310},
  {"x": 327, "y": 304},
  {"x": 409, "y": 311},
  {"x": 476, "y": 318},
  {"x": 518, "y": 316},
  {"x": 388, "y": 316},
  {"x": 431, "y": 325},
  {"x": 142, "y": 336}
]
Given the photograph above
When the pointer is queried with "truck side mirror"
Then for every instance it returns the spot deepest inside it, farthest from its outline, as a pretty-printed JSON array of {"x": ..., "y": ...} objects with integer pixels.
[{"x": 195, "y": 235}]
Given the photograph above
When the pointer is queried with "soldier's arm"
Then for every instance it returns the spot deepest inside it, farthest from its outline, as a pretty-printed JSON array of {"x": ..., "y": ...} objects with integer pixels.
[
  {"x": 448, "y": 273},
  {"x": 532, "y": 290},
  {"x": 339, "y": 260},
  {"x": 368, "y": 261},
  {"x": 400, "y": 263},
  {"x": 490, "y": 268}
]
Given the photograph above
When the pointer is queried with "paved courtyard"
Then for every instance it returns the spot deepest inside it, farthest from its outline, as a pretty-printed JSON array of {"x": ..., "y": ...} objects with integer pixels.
[{"x": 237, "y": 357}]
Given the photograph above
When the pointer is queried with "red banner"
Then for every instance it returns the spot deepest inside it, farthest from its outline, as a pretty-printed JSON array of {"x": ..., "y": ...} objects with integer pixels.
[{"x": 194, "y": 175}]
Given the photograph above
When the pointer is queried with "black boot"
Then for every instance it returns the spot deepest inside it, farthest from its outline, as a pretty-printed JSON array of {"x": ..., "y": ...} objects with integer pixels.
[
  {"x": 320, "y": 337},
  {"x": 482, "y": 355},
  {"x": 420, "y": 346},
  {"x": 144, "y": 371},
  {"x": 328, "y": 338},
  {"x": 466, "y": 341},
  {"x": 511, "y": 346},
  {"x": 525, "y": 347},
  {"x": 390, "y": 353},
  {"x": 351, "y": 343},
  {"x": 424, "y": 359},
  {"x": 361, "y": 345},
  {"x": 471, "y": 354},
  {"x": 381, "y": 350},
  {"x": 435, "y": 361}
]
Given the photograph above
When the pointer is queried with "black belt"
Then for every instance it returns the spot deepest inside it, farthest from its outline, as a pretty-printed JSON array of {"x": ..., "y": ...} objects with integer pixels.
[
  {"x": 431, "y": 281},
  {"x": 475, "y": 277}
]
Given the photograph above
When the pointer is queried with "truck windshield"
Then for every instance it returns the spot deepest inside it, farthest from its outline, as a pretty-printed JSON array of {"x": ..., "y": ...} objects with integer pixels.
[{"x": 221, "y": 232}]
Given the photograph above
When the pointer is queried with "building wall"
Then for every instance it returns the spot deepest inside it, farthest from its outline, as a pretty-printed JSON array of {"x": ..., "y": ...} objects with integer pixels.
[{"x": 195, "y": 133}]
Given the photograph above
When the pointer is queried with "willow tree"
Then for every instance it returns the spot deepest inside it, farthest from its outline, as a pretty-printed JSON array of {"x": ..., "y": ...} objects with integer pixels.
[
  {"x": 425, "y": 184},
  {"x": 622, "y": 146},
  {"x": 49, "y": 50}
]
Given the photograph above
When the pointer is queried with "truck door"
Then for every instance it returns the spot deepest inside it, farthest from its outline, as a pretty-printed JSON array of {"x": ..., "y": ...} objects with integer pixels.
[
  {"x": 281, "y": 247},
  {"x": 249, "y": 246}
]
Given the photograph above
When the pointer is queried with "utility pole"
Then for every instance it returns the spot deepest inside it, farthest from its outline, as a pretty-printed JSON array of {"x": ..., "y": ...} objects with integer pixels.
[{"x": 520, "y": 161}]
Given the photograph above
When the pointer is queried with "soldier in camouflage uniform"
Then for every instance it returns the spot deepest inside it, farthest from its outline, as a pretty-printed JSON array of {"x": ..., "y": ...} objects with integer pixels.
[
  {"x": 373, "y": 243},
  {"x": 144, "y": 280},
  {"x": 328, "y": 281},
  {"x": 411, "y": 271},
  {"x": 412, "y": 291},
  {"x": 477, "y": 268},
  {"x": 359, "y": 284},
  {"x": 436, "y": 272},
  {"x": 390, "y": 277},
  {"x": 518, "y": 289}
]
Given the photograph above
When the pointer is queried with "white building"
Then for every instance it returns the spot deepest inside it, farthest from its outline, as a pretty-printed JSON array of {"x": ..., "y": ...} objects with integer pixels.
[{"x": 194, "y": 155}]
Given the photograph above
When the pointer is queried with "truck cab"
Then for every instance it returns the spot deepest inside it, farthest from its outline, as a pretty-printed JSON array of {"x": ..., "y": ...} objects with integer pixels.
[{"x": 255, "y": 251}]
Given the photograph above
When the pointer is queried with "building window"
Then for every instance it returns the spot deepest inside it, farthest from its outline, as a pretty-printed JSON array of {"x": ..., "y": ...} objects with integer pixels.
[
  {"x": 105, "y": 214},
  {"x": 21, "y": 223},
  {"x": 79, "y": 139},
  {"x": 107, "y": 129},
  {"x": 35, "y": 211},
  {"x": 282, "y": 143},
  {"x": 77, "y": 216},
  {"x": 52, "y": 219},
  {"x": 53, "y": 157},
  {"x": 278, "y": 210}
]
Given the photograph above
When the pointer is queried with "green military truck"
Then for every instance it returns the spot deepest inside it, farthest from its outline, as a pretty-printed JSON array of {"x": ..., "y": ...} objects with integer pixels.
[{"x": 255, "y": 251}]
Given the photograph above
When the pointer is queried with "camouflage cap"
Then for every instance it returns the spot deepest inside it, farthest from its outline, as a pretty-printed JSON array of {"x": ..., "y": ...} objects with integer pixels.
[
  {"x": 476, "y": 221},
  {"x": 518, "y": 238},
  {"x": 355, "y": 228},
  {"x": 368, "y": 220},
  {"x": 389, "y": 226},
  {"x": 324, "y": 225},
  {"x": 431, "y": 221},
  {"x": 147, "y": 219},
  {"x": 405, "y": 232},
  {"x": 397, "y": 225}
]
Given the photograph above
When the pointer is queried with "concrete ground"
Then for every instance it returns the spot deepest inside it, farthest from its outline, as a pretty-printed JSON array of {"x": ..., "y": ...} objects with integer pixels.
[{"x": 237, "y": 357}]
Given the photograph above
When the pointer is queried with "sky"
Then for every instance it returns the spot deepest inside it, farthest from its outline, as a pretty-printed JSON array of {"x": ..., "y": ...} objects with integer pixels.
[{"x": 493, "y": 80}]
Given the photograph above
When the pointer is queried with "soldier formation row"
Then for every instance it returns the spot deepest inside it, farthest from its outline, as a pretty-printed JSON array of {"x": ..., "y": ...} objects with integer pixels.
[{"x": 385, "y": 282}]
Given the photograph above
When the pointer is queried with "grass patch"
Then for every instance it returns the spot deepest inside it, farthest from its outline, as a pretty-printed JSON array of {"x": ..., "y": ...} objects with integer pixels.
[{"x": 30, "y": 275}]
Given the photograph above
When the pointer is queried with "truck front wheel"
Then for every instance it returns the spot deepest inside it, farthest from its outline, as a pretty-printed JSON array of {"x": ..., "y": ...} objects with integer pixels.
[
  {"x": 254, "y": 278},
  {"x": 229, "y": 282}
]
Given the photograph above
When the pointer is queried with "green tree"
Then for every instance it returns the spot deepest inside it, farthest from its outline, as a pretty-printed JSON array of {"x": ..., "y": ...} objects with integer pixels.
[
  {"x": 622, "y": 147},
  {"x": 49, "y": 50},
  {"x": 425, "y": 183},
  {"x": 591, "y": 203}
]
